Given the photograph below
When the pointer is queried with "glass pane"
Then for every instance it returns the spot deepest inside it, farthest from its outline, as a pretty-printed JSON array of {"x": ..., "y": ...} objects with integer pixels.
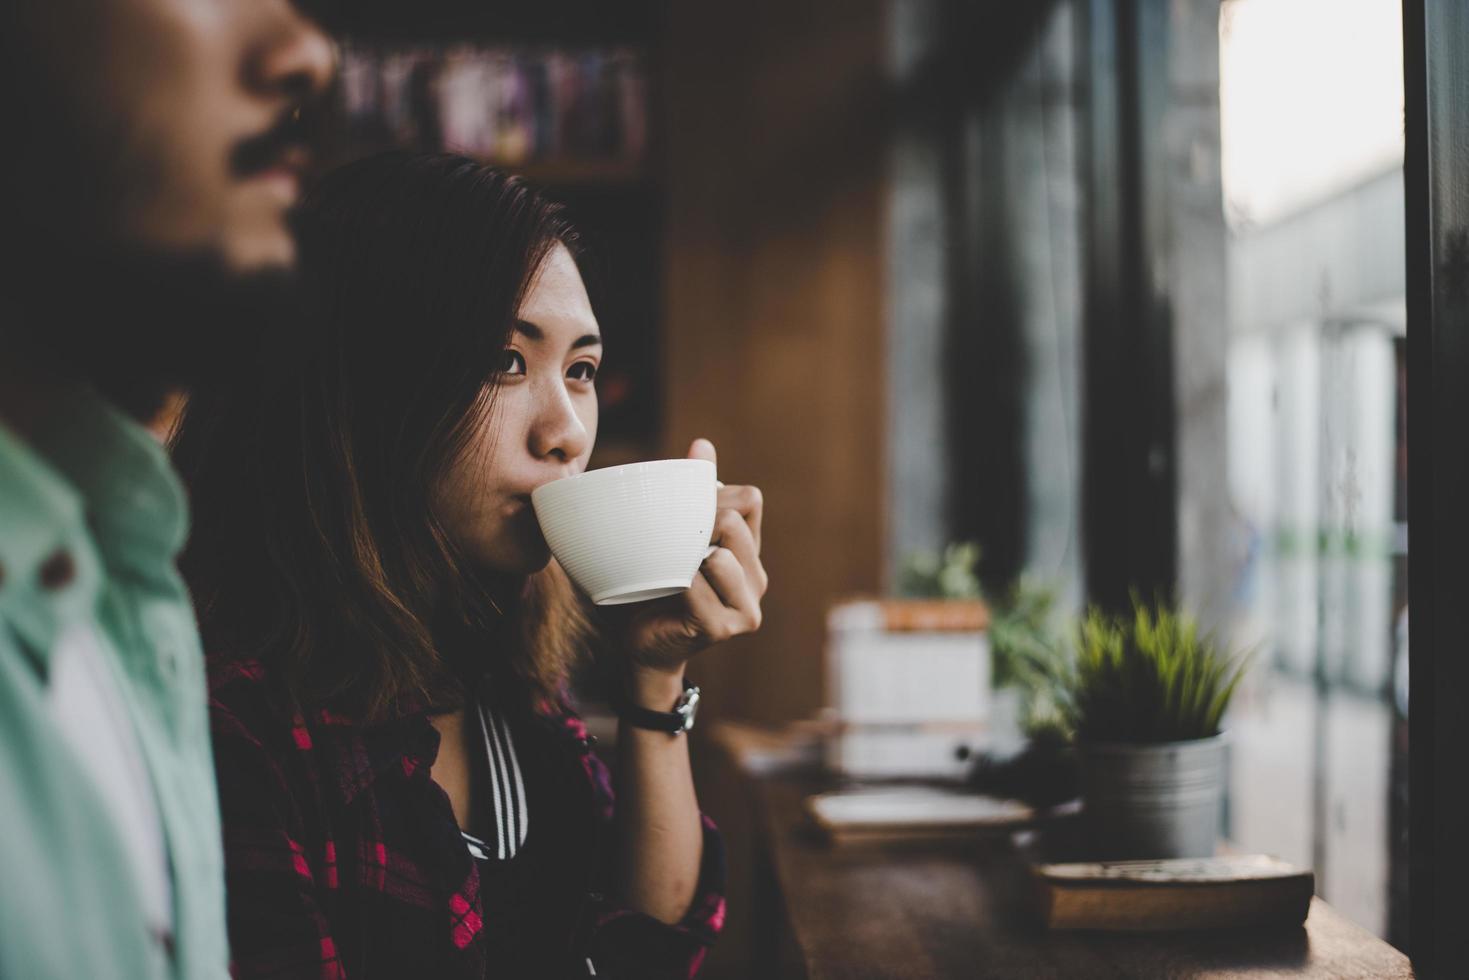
[{"x": 1311, "y": 106}]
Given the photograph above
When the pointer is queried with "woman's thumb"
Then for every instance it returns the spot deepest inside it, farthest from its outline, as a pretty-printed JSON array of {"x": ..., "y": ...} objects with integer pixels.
[{"x": 702, "y": 449}]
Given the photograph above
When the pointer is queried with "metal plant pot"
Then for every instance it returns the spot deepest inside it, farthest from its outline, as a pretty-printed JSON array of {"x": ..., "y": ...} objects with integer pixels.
[{"x": 1153, "y": 801}]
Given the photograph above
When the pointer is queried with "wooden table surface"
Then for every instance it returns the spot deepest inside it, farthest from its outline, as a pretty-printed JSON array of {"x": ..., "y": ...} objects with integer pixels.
[{"x": 898, "y": 910}]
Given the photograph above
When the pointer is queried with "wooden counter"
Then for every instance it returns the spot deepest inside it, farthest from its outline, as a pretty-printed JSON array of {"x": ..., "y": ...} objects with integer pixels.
[{"x": 958, "y": 909}]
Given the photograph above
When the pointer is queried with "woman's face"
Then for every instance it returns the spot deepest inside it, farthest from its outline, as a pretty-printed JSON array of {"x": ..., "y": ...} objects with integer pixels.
[{"x": 541, "y": 426}]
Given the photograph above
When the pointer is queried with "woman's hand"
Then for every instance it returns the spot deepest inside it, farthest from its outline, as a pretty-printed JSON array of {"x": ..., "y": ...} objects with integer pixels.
[{"x": 660, "y": 636}]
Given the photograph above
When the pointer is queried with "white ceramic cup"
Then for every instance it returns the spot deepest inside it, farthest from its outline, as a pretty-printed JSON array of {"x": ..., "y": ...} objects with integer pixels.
[{"x": 631, "y": 533}]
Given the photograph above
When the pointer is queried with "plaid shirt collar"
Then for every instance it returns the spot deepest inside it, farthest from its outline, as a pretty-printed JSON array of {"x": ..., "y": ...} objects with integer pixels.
[{"x": 357, "y": 755}]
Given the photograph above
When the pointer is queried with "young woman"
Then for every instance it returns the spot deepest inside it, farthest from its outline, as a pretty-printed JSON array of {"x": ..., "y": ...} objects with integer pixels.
[{"x": 406, "y": 788}]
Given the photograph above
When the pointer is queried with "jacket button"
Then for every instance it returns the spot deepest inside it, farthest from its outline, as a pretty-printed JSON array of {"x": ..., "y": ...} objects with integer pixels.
[{"x": 57, "y": 571}]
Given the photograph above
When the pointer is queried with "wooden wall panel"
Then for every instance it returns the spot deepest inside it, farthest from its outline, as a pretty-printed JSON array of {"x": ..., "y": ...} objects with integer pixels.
[{"x": 774, "y": 307}]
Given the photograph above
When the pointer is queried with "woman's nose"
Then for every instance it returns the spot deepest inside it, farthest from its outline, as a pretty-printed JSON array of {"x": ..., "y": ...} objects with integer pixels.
[{"x": 557, "y": 430}]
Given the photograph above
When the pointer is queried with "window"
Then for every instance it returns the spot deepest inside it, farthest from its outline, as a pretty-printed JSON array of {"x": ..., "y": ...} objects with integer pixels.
[{"x": 1312, "y": 149}]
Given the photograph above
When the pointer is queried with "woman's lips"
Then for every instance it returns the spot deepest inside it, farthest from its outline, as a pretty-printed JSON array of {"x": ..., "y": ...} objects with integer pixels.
[
  {"x": 523, "y": 516},
  {"x": 521, "y": 509}
]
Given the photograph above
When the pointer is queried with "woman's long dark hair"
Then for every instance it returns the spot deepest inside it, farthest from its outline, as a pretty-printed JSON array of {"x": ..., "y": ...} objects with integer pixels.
[{"x": 315, "y": 545}]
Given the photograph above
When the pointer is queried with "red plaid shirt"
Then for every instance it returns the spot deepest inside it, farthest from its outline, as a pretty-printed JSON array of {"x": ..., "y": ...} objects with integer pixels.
[{"x": 344, "y": 860}]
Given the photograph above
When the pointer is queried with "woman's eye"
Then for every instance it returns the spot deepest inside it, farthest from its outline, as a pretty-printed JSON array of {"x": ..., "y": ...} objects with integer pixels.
[
  {"x": 583, "y": 371},
  {"x": 511, "y": 362}
]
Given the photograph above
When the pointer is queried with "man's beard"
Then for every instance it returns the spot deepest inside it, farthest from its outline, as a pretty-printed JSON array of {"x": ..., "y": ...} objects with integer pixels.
[
  {"x": 77, "y": 301},
  {"x": 140, "y": 323}
]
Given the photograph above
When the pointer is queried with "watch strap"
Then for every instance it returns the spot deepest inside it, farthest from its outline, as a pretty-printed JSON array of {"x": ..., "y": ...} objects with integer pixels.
[{"x": 674, "y": 722}]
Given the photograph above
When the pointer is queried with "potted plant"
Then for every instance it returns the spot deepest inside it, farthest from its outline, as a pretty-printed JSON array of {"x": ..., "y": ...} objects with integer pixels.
[{"x": 1144, "y": 698}]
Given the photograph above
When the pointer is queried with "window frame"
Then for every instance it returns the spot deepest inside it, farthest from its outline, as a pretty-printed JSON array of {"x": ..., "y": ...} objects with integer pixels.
[{"x": 1436, "y": 182}]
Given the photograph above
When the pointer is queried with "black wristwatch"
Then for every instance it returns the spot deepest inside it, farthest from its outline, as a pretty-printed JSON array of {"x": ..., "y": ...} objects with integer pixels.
[{"x": 674, "y": 722}]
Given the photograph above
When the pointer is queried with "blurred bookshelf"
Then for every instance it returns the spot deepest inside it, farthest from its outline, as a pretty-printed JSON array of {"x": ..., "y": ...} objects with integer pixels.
[
  {"x": 565, "y": 112},
  {"x": 561, "y": 93}
]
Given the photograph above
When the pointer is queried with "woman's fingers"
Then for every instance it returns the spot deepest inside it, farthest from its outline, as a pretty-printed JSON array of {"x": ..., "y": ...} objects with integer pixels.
[
  {"x": 708, "y": 616},
  {"x": 749, "y": 503},
  {"x": 732, "y": 532},
  {"x": 704, "y": 607},
  {"x": 740, "y": 611},
  {"x": 724, "y": 598}
]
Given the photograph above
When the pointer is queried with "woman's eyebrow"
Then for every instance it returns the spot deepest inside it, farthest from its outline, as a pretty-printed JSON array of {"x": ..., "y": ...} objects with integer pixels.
[{"x": 536, "y": 334}]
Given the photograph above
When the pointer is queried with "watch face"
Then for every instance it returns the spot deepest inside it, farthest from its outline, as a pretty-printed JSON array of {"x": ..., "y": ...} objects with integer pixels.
[{"x": 688, "y": 706}]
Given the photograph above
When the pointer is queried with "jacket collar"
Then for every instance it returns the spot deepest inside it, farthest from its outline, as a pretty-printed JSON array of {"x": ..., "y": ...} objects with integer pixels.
[{"x": 134, "y": 500}]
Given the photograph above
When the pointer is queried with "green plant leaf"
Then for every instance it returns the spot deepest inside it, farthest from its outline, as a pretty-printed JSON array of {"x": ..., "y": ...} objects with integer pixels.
[{"x": 1153, "y": 676}]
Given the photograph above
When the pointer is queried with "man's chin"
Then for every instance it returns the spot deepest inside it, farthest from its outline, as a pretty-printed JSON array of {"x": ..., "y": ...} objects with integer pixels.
[
  {"x": 140, "y": 323},
  {"x": 267, "y": 249}
]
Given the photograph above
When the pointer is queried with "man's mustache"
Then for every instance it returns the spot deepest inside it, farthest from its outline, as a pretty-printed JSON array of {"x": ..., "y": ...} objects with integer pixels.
[{"x": 283, "y": 143}]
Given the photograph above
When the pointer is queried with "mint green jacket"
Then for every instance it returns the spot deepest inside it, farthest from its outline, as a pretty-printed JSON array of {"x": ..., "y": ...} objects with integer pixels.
[{"x": 91, "y": 520}]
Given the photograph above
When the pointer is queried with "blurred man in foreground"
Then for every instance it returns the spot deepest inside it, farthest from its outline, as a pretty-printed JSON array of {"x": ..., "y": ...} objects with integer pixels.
[{"x": 151, "y": 160}]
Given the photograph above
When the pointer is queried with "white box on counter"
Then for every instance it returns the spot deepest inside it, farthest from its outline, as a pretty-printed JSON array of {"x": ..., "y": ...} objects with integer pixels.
[{"x": 909, "y": 686}]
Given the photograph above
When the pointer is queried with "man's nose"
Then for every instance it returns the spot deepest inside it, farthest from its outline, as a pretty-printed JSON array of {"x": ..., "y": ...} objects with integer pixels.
[{"x": 291, "y": 57}]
